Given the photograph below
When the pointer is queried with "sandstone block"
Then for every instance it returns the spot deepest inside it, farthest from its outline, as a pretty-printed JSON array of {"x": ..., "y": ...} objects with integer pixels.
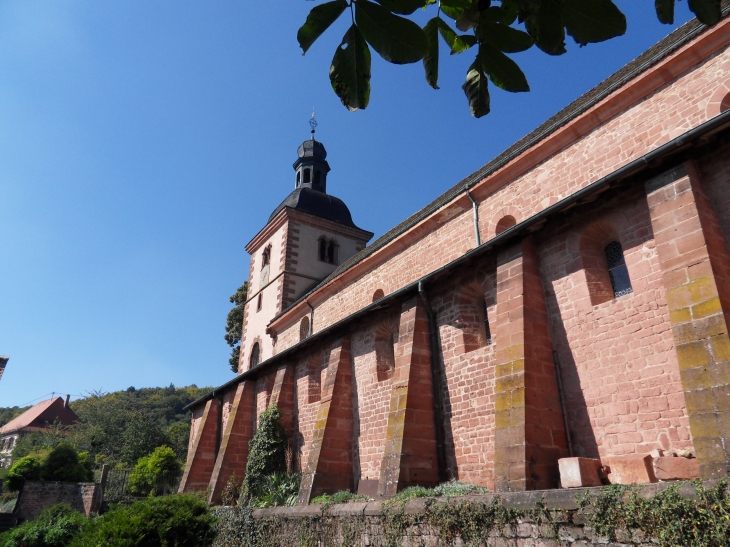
[
  {"x": 668, "y": 469},
  {"x": 632, "y": 469},
  {"x": 576, "y": 472}
]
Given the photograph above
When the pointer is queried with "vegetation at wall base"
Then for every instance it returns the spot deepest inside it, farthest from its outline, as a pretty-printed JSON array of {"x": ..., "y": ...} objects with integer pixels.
[
  {"x": 266, "y": 454},
  {"x": 56, "y": 526},
  {"x": 669, "y": 517},
  {"x": 181, "y": 520}
]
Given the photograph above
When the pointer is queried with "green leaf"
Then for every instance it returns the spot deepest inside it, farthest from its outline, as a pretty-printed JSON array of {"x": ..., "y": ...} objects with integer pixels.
[
  {"x": 590, "y": 21},
  {"x": 469, "y": 18},
  {"x": 545, "y": 25},
  {"x": 431, "y": 60},
  {"x": 458, "y": 44},
  {"x": 404, "y": 7},
  {"x": 350, "y": 70},
  {"x": 707, "y": 11},
  {"x": 319, "y": 20},
  {"x": 502, "y": 70},
  {"x": 454, "y": 8},
  {"x": 476, "y": 90},
  {"x": 396, "y": 39},
  {"x": 504, "y": 38},
  {"x": 665, "y": 11}
]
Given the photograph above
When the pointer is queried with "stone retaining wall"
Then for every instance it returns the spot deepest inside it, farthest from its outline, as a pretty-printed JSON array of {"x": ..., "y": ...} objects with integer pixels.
[
  {"x": 84, "y": 497},
  {"x": 550, "y": 518}
]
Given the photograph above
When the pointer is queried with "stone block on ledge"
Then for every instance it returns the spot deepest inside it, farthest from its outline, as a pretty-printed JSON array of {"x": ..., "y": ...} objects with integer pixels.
[
  {"x": 632, "y": 469},
  {"x": 577, "y": 472},
  {"x": 673, "y": 469}
]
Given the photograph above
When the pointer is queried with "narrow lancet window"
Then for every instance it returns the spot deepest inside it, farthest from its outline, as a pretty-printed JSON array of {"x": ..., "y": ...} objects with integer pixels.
[
  {"x": 487, "y": 330},
  {"x": 332, "y": 252},
  {"x": 617, "y": 271},
  {"x": 323, "y": 249},
  {"x": 255, "y": 355},
  {"x": 266, "y": 257},
  {"x": 307, "y": 176}
]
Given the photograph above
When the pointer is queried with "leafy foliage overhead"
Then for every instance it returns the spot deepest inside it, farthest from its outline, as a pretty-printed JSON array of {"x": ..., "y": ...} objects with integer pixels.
[{"x": 493, "y": 27}]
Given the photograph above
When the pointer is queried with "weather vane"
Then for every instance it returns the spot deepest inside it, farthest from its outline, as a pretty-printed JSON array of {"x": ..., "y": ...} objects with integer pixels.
[{"x": 313, "y": 123}]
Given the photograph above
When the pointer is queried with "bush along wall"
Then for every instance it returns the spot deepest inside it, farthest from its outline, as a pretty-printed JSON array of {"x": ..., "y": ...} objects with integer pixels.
[{"x": 679, "y": 514}]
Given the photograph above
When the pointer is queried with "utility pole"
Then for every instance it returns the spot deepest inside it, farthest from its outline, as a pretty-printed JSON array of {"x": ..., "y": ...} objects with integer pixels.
[{"x": 3, "y": 362}]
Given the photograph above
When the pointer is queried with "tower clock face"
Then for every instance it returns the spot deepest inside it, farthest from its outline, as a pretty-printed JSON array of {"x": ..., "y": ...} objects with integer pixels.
[{"x": 264, "y": 279}]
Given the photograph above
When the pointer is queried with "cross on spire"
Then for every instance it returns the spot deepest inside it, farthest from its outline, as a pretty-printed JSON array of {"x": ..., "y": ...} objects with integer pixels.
[{"x": 313, "y": 123}]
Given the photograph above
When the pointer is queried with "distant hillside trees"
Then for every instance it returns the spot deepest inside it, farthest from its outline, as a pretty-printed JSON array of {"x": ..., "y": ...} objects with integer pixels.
[{"x": 121, "y": 427}]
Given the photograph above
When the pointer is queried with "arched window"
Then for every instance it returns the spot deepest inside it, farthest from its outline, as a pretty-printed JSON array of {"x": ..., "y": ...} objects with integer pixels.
[
  {"x": 266, "y": 256},
  {"x": 385, "y": 338},
  {"x": 255, "y": 355},
  {"x": 617, "y": 271},
  {"x": 307, "y": 176},
  {"x": 303, "y": 328},
  {"x": 299, "y": 178},
  {"x": 259, "y": 302},
  {"x": 323, "y": 249},
  {"x": 505, "y": 223},
  {"x": 332, "y": 252},
  {"x": 377, "y": 295},
  {"x": 317, "y": 176}
]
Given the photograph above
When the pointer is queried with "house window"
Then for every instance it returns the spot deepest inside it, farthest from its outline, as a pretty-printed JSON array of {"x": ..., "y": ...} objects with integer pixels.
[
  {"x": 259, "y": 302},
  {"x": 304, "y": 328},
  {"x": 617, "y": 271},
  {"x": 266, "y": 257},
  {"x": 255, "y": 355}
]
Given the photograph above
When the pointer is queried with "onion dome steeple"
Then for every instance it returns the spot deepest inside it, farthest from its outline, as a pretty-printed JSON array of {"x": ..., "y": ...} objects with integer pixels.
[{"x": 311, "y": 166}]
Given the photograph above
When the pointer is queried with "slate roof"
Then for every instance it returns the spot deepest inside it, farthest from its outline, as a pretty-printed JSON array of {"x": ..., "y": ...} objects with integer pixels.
[
  {"x": 40, "y": 415},
  {"x": 318, "y": 204}
]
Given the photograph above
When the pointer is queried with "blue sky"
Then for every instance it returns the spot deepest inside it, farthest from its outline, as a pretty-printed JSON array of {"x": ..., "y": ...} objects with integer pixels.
[{"x": 143, "y": 143}]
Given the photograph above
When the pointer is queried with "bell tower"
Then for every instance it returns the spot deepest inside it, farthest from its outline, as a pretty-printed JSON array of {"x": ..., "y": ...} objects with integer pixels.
[{"x": 305, "y": 239}]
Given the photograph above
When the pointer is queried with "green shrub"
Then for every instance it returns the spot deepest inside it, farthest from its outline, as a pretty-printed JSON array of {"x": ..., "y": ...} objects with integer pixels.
[
  {"x": 64, "y": 465},
  {"x": 171, "y": 521},
  {"x": 279, "y": 489},
  {"x": 151, "y": 469},
  {"x": 27, "y": 468},
  {"x": 231, "y": 492},
  {"x": 55, "y": 527},
  {"x": 266, "y": 454}
]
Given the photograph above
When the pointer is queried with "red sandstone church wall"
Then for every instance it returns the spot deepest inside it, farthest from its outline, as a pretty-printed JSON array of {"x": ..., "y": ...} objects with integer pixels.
[
  {"x": 715, "y": 170},
  {"x": 621, "y": 378},
  {"x": 664, "y": 114},
  {"x": 372, "y": 398}
]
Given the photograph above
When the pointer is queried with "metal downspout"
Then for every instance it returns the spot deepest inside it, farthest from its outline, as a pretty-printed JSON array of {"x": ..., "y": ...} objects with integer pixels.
[
  {"x": 475, "y": 210},
  {"x": 559, "y": 376},
  {"x": 435, "y": 386}
]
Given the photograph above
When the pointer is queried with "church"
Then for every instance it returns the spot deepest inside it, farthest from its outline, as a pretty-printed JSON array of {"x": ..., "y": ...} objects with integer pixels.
[{"x": 570, "y": 299}]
